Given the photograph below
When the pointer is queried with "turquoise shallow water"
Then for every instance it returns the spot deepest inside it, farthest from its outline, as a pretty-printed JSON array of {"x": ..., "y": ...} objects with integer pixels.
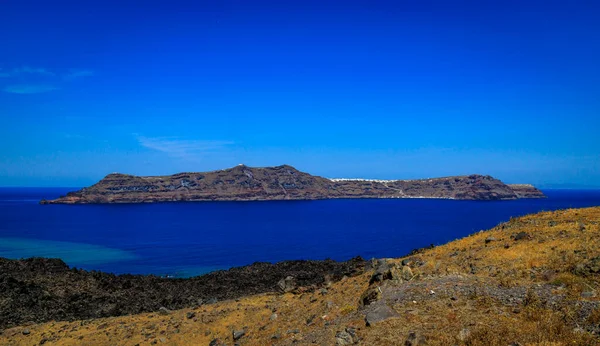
[
  {"x": 81, "y": 253},
  {"x": 186, "y": 239}
]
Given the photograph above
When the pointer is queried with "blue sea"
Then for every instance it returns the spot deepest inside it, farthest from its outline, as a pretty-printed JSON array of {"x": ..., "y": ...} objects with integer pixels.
[{"x": 187, "y": 239}]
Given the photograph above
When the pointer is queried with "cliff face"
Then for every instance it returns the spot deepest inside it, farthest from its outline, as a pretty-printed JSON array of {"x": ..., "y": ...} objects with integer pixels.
[
  {"x": 242, "y": 183},
  {"x": 526, "y": 191}
]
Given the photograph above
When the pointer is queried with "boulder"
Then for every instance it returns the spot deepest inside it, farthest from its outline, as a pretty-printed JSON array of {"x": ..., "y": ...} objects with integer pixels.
[
  {"x": 352, "y": 332},
  {"x": 407, "y": 273},
  {"x": 522, "y": 236},
  {"x": 415, "y": 339},
  {"x": 287, "y": 285},
  {"x": 372, "y": 294},
  {"x": 343, "y": 338},
  {"x": 380, "y": 313},
  {"x": 383, "y": 271},
  {"x": 371, "y": 264},
  {"x": 414, "y": 261},
  {"x": 237, "y": 334},
  {"x": 216, "y": 342}
]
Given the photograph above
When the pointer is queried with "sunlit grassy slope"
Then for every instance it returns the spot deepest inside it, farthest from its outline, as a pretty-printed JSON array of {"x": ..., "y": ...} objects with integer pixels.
[{"x": 530, "y": 281}]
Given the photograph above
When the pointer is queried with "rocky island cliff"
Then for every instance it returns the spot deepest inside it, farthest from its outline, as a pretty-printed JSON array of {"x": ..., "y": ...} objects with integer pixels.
[{"x": 243, "y": 183}]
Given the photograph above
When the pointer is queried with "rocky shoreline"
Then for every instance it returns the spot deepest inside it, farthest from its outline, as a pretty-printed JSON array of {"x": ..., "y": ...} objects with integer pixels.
[
  {"x": 41, "y": 289},
  {"x": 243, "y": 183}
]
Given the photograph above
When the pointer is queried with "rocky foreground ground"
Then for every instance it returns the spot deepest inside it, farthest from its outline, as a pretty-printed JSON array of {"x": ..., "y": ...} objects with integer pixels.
[
  {"x": 530, "y": 281},
  {"x": 40, "y": 290}
]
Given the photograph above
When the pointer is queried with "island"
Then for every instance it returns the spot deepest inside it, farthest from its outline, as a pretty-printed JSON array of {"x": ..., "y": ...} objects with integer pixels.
[{"x": 243, "y": 183}]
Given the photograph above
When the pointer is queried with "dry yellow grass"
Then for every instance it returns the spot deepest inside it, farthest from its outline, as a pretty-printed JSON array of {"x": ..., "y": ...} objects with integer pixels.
[
  {"x": 557, "y": 241},
  {"x": 551, "y": 255}
]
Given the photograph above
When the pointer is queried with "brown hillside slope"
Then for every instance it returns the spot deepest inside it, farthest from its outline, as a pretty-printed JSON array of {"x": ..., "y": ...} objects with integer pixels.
[{"x": 533, "y": 280}]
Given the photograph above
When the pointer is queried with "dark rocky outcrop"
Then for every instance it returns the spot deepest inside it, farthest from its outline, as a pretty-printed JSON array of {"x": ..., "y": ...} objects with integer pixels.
[
  {"x": 39, "y": 289},
  {"x": 243, "y": 183}
]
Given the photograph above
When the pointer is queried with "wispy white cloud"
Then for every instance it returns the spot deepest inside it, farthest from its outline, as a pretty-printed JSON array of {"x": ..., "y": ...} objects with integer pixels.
[
  {"x": 33, "y": 70},
  {"x": 182, "y": 148},
  {"x": 78, "y": 73},
  {"x": 29, "y": 88},
  {"x": 25, "y": 70},
  {"x": 35, "y": 80}
]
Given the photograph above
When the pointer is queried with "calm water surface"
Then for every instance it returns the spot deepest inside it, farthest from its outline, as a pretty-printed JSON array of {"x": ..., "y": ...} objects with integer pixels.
[{"x": 183, "y": 239}]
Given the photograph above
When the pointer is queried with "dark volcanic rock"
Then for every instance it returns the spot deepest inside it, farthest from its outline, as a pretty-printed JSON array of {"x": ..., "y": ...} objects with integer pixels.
[
  {"x": 237, "y": 334},
  {"x": 489, "y": 240},
  {"x": 40, "y": 290},
  {"x": 216, "y": 342},
  {"x": 242, "y": 183},
  {"x": 383, "y": 271}
]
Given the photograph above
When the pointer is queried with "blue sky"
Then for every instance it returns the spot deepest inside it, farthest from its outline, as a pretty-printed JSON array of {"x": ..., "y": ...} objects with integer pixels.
[{"x": 377, "y": 89}]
